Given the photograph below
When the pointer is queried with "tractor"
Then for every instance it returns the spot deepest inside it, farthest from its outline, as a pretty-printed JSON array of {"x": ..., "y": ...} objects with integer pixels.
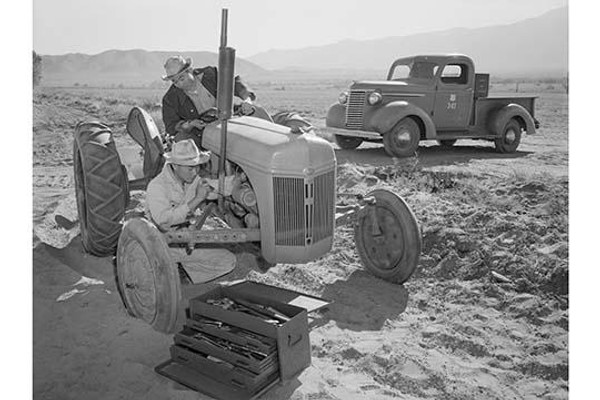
[{"x": 283, "y": 203}]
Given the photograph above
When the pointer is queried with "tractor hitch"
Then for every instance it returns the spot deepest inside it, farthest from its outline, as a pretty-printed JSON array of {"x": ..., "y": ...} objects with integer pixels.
[{"x": 348, "y": 214}]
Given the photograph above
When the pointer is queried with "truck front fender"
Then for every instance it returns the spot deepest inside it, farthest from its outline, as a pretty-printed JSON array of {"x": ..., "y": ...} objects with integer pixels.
[
  {"x": 336, "y": 116},
  {"x": 384, "y": 119},
  {"x": 506, "y": 113}
]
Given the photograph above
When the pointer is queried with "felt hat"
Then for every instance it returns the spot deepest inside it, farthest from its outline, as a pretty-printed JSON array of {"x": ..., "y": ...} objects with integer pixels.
[
  {"x": 186, "y": 152},
  {"x": 176, "y": 65}
]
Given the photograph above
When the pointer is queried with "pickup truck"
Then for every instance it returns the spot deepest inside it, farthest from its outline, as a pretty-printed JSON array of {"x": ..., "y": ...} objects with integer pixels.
[{"x": 429, "y": 97}]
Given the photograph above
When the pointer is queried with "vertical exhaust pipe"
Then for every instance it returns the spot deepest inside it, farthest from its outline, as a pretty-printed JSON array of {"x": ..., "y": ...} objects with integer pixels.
[{"x": 224, "y": 98}]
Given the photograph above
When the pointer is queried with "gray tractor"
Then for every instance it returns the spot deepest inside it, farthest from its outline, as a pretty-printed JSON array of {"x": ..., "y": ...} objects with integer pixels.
[{"x": 283, "y": 204}]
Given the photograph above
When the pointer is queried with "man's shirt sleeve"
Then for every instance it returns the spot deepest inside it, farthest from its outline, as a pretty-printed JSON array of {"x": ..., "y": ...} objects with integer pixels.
[{"x": 162, "y": 210}]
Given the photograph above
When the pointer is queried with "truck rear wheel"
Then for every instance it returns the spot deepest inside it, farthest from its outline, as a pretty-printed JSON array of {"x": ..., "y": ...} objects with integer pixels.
[
  {"x": 447, "y": 142},
  {"x": 510, "y": 138},
  {"x": 101, "y": 187},
  {"x": 403, "y": 139},
  {"x": 388, "y": 238},
  {"x": 348, "y": 142},
  {"x": 147, "y": 276}
]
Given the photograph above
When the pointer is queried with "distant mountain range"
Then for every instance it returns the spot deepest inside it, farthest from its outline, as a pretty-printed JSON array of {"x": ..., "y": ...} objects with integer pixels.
[
  {"x": 535, "y": 47},
  {"x": 125, "y": 67}
]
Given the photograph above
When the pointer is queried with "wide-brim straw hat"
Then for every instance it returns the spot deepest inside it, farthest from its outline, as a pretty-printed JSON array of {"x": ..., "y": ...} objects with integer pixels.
[
  {"x": 176, "y": 65},
  {"x": 186, "y": 152}
]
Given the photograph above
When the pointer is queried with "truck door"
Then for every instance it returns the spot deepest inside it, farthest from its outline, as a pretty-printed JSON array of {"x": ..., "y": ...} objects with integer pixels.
[{"x": 454, "y": 97}]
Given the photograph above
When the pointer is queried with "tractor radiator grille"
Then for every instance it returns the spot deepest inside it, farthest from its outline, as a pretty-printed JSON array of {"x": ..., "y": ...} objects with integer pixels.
[
  {"x": 354, "y": 109},
  {"x": 289, "y": 211},
  {"x": 324, "y": 206},
  {"x": 304, "y": 209}
]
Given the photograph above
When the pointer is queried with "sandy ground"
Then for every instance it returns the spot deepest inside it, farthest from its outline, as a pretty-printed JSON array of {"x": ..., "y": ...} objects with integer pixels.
[{"x": 451, "y": 332}]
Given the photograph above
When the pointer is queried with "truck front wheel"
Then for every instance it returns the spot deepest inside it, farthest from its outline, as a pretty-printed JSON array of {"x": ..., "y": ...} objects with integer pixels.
[
  {"x": 510, "y": 138},
  {"x": 348, "y": 142},
  {"x": 403, "y": 139}
]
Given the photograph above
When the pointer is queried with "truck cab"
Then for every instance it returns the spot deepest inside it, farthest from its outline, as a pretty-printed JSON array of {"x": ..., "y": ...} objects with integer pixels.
[
  {"x": 426, "y": 97},
  {"x": 446, "y": 84}
]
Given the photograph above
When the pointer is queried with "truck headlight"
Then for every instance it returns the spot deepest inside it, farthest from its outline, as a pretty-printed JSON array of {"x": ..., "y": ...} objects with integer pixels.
[
  {"x": 343, "y": 98},
  {"x": 374, "y": 98}
]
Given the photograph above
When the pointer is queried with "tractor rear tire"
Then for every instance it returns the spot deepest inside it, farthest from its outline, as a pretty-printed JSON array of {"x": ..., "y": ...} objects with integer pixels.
[
  {"x": 391, "y": 249},
  {"x": 348, "y": 142},
  {"x": 147, "y": 276},
  {"x": 510, "y": 137},
  {"x": 101, "y": 188},
  {"x": 403, "y": 139}
]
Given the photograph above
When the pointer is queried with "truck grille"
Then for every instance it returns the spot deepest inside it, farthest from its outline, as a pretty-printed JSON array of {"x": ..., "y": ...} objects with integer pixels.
[
  {"x": 354, "y": 109},
  {"x": 303, "y": 209}
]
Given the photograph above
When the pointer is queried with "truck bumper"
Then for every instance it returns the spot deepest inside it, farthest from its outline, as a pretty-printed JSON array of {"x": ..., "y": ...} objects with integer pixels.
[{"x": 336, "y": 124}]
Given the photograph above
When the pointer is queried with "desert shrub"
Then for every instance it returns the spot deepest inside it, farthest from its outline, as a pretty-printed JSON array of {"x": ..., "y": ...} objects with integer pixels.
[{"x": 37, "y": 69}]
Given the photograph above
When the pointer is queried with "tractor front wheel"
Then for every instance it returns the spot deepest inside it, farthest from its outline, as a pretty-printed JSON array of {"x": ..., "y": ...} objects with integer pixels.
[
  {"x": 388, "y": 238},
  {"x": 147, "y": 276}
]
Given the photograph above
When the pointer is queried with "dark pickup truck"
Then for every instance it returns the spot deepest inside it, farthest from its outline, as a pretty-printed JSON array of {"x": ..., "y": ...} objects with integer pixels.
[{"x": 429, "y": 97}]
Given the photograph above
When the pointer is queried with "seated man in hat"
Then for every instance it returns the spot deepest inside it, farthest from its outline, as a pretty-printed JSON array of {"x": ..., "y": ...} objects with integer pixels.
[
  {"x": 174, "y": 194},
  {"x": 171, "y": 198},
  {"x": 193, "y": 91}
]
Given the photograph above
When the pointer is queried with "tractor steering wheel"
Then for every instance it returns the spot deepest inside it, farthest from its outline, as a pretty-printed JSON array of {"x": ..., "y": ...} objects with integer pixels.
[{"x": 212, "y": 114}]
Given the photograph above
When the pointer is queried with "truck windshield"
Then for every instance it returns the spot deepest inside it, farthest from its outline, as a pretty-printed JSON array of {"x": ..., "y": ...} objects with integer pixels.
[{"x": 414, "y": 70}]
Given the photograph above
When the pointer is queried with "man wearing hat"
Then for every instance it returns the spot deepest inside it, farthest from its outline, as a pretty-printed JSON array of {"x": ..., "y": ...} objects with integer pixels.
[
  {"x": 174, "y": 194},
  {"x": 193, "y": 91},
  {"x": 171, "y": 198}
]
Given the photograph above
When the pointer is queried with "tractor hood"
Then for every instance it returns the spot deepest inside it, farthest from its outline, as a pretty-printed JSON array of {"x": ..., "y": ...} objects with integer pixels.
[
  {"x": 271, "y": 148},
  {"x": 406, "y": 86}
]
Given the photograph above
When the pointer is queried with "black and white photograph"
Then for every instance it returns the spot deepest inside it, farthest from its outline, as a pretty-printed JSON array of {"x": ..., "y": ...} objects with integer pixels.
[{"x": 298, "y": 200}]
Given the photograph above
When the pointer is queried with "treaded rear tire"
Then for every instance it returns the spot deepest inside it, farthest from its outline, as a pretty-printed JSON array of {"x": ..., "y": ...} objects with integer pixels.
[
  {"x": 392, "y": 253},
  {"x": 101, "y": 187}
]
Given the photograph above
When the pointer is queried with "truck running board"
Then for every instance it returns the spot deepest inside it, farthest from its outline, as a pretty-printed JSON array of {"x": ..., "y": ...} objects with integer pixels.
[{"x": 353, "y": 133}]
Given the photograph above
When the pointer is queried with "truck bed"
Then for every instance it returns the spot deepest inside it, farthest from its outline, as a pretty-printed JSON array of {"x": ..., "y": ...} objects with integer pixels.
[{"x": 486, "y": 105}]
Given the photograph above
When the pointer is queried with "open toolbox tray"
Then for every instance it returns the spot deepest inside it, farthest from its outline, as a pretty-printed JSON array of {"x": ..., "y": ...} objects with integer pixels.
[
  {"x": 202, "y": 383},
  {"x": 255, "y": 361},
  {"x": 232, "y": 333},
  {"x": 221, "y": 371}
]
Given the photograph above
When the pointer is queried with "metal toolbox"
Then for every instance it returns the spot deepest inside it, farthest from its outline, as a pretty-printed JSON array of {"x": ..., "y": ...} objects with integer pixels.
[
  {"x": 291, "y": 337},
  {"x": 240, "y": 340}
]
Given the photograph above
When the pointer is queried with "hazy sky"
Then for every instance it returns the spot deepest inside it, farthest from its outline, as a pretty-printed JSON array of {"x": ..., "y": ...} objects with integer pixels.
[{"x": 93, "y": 26}]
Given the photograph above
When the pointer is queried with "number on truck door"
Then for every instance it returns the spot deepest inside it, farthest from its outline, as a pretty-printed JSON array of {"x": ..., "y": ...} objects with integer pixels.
[{"x": 454, "y": 97}]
